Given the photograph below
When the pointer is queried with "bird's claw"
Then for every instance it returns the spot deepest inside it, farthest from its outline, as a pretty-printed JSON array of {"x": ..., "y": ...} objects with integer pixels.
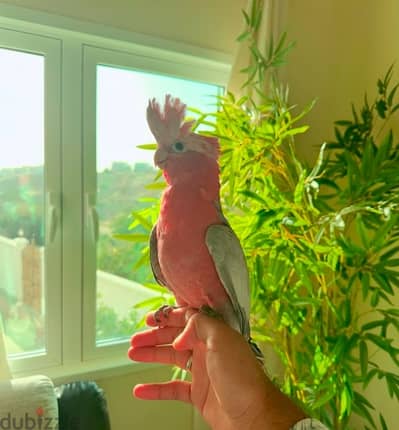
[
  {"x": 208, "y": 311},
  {"x": 161, "y": 316}
]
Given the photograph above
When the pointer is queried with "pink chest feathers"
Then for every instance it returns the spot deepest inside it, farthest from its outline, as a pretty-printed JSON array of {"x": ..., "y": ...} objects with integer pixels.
[{"x": 183, "y": 255}]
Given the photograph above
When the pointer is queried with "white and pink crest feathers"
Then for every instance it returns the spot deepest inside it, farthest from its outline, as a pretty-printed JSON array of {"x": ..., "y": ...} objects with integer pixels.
[{"x": 168, "y": 127}]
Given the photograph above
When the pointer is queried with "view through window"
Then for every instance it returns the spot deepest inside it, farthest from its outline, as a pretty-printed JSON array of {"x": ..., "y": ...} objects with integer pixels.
[
  {"x": 123, "y": 171},
  {"x": 22, "y": 304}
]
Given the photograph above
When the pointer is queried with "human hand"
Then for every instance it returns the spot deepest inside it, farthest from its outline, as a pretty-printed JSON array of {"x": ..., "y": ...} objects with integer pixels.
[{"x": 228, "y": 387}]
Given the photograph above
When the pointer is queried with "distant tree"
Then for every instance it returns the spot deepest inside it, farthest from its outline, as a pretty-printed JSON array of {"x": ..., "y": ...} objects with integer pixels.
[
  {"x": 116, "y": 256},
  {"x": 121, "y": 166},
  {"x": 109, "y": 325},
  {"x": 143, "y": 168},
  {"x": 21, "y": 203},
  {"x": 119, "y": 191}
]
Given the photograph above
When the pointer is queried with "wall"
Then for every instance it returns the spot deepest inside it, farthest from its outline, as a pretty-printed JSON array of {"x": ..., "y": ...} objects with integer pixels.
[
  {"x": 127, "y": 412},
  {"x": 342, "y": 48},
  {"x": 207, "y": 24}
]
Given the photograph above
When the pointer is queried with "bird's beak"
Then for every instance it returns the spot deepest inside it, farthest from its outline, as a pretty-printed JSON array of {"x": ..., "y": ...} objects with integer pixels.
[{"x": 160, "y": 157}]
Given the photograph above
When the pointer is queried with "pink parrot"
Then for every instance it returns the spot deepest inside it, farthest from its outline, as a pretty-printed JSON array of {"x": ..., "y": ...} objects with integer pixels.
[{"x": 193, "y": 250}]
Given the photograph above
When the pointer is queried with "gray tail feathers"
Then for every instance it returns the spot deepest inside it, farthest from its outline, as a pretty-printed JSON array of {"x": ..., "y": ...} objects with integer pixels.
[{"x": 256, "y": 350}]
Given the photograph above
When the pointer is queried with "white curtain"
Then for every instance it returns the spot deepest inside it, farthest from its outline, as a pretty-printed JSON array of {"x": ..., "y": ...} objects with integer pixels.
[
  {"x": 272, "y": 13},
  {"x": 4, "y": 369}
]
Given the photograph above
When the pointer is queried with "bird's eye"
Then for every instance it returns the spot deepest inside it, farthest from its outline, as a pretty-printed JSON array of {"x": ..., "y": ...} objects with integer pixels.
[{"x": 178, "y": 147}]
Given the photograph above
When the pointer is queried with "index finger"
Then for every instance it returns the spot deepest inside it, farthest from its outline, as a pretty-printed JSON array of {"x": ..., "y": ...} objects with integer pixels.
[{"x": 155, "y": 336}]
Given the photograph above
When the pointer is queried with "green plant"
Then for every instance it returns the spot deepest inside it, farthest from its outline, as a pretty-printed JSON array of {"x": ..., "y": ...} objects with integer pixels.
[
  {"x": 109, "y": 325},
  {"x": 321, "y": 243}
]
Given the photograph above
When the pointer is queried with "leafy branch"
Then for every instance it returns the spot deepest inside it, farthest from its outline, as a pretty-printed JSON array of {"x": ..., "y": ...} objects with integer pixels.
[{"x": 322, "y": 244}]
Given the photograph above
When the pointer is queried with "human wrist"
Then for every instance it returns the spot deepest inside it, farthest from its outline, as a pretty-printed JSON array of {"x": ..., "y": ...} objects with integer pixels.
[
  {"x": 264, "y": 421},
  {"x": 260, "y": 420},
  {"x": 277, "y": 411}
]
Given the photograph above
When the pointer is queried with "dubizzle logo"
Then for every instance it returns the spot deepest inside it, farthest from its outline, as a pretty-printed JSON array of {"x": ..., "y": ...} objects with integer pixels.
[{"x": 29, "y": 422}]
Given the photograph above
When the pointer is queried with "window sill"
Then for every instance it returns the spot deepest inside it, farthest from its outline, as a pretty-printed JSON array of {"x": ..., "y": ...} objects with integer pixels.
[{"x": 91, "y": 370}]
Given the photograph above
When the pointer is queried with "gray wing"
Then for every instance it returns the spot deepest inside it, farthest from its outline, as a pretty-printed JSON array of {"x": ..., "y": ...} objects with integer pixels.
[
  {"x": 155, "y": 266},
  {"x": 229, "y": 259}
]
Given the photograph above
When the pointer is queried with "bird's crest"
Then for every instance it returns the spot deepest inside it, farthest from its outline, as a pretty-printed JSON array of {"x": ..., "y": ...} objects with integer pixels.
[{"x": 168, "y": 126}]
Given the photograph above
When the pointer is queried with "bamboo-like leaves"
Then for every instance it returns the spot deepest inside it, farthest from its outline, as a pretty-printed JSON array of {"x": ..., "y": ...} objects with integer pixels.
[{"x": 316, "y": 243}]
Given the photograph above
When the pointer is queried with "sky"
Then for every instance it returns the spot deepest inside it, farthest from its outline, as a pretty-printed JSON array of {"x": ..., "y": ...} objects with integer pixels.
[
  {"x": 122, "y": 98},
  {"x": 21, "y": 109}
]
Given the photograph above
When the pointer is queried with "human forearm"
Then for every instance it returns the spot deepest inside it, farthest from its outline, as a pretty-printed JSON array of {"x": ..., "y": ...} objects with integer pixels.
[{"x": 276, "y": 412}]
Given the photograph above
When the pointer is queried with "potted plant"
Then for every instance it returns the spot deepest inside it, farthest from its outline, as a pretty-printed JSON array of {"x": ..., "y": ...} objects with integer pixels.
[{"x": 321, "y": 243}]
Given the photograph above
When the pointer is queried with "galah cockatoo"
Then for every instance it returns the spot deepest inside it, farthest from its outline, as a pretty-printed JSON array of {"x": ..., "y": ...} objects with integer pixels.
[{"x": 193, "y": 250}]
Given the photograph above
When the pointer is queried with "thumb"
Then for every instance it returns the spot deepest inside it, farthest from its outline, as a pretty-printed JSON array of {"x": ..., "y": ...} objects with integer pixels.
[
  {"x": 188, "y": 338},
  {"x": 199, "y": 329}
]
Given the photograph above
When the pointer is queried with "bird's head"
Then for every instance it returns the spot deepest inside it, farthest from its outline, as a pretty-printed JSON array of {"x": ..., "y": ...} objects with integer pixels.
[{"x": 177, "y": 146}]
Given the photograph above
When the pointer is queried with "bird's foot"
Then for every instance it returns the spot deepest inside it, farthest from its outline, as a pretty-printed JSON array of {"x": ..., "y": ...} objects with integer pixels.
[
  {"x": 208, "y": 311},
  {"x": 161, "y": 316}
]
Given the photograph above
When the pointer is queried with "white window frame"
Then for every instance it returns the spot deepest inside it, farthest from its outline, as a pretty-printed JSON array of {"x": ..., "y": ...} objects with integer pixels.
[
  {"x": 72, "y": 120},
  {"x": 152, "y": 61},
  {"x": 50, "y": 49}
]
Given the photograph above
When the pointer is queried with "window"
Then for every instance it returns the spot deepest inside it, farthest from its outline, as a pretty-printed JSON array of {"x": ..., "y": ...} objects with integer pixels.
[
  {"x": 22, "y": 195},
  {"x": 115, "y": 101},
  {"x": 123, "y": 171},
  {"x": 29, "y": 243},
  {"x": 72, "y": 112}
]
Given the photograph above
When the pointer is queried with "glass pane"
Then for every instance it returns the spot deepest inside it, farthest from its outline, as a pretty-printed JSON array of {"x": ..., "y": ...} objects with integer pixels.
[
  {"x": 122, "y": 173},
  {"x": 21, "y": 200}
]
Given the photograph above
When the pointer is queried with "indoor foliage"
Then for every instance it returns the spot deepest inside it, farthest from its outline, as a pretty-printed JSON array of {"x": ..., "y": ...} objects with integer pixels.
[{"x": 321, "y": 244}]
